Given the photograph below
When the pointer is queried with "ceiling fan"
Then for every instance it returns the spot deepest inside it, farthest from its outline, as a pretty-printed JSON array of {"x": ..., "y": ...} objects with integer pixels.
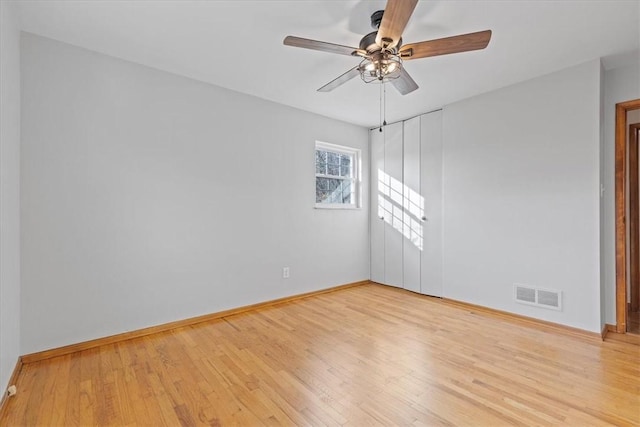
[{"x": 382, "y": 51}]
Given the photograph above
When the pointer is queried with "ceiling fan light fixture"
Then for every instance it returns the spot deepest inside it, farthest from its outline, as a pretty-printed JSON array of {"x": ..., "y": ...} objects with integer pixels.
[
  {"x": 380, "y": 67},
  {"x": 383, "y": 50}
]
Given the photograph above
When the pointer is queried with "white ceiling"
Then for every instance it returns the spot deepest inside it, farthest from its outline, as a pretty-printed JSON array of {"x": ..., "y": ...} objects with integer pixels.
[{"x": 238, "y": 44}]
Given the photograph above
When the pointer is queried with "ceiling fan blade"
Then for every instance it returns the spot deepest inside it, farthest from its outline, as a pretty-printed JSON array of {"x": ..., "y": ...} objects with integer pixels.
[
  {"x": 395, "y": 18},
  {"x": 447, "y": 45},
  {"x": 318, "y": 45},
  {"x": 340, "y": 80},
  {"x": 404, "y": 84}
]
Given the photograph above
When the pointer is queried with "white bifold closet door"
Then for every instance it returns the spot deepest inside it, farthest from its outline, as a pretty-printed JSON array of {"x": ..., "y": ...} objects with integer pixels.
[
  {"x": 392, "y": 193},
  {"x": 377, "y": 206},
  {"x": 431, "y": 190},
  {"x": 386, "y": 205},
  {"x": 413, "y": 206},
  {"x": 406, "y": 204}
]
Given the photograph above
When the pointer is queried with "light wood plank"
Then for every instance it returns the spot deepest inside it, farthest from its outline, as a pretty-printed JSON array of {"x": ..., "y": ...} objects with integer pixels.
[
  {"x": 72, "y": 348},
  {"x": 366, "y": 355}
]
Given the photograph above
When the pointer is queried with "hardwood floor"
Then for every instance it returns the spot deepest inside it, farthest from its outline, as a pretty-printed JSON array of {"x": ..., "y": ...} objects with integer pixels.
[
  {"x": 633, "y": 320},
  {"x": 368, "y": 355}
]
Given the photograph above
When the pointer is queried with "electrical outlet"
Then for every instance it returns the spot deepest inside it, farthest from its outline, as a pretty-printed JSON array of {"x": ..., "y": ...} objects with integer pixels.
[{"x": 285, "y": 272}]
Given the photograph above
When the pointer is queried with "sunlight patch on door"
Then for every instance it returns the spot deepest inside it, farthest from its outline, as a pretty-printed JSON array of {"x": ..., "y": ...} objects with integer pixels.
[{"x": 401, "y": 207}]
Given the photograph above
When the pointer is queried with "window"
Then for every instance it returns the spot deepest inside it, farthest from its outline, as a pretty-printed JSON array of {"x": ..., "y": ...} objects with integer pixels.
[{"x": 337, "y": 176}]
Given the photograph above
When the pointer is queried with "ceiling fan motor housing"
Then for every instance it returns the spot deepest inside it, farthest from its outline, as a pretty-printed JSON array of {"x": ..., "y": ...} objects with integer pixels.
[{"x": 368, "y": 43}]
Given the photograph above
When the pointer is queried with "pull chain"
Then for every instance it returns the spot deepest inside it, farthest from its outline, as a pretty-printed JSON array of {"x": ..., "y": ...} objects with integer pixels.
[
  {"x": 380, "y": 108},
  {"x": 384, "y": 99},
  {"x": 383, "y": 106}
]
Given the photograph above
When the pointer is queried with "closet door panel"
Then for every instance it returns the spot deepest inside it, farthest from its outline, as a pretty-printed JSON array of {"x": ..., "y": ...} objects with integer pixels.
[
  {"x": 376, "y": 139},
  {"x": 431, "y": 186},
  {"x": 392, "y": 204},
  {"x": 413, "y": 206}
]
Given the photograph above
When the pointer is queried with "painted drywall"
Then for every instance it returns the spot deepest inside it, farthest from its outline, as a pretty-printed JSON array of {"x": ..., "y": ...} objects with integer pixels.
[
  {"x": 521, "y": 195},
  {"x": 620, "y": 84},
  {"x": 149, "y": 197},
  {"x": 9, "y": 191}
]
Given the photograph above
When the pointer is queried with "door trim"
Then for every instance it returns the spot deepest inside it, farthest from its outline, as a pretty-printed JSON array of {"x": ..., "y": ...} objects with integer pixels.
[
  {"x": 620, "y": 204},
  {"x": 634, "y": 216}
]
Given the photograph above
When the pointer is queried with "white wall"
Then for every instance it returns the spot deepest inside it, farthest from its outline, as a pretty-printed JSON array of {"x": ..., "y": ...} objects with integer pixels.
[
  {"x": 521, "y": 195},
  {"x": 148, "y": 197},
  {"x": 620, "y": 84},
  {"x": 9, "y": 191}
]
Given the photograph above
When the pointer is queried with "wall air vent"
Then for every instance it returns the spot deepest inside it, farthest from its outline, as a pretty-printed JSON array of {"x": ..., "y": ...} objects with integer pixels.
[
  {"x": 546, "y": 298},
  {"x": 525, "y": 294}
]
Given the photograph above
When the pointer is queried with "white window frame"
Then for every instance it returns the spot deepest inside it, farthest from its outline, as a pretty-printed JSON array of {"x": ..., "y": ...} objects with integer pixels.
[{"x": 355, "y": 172}]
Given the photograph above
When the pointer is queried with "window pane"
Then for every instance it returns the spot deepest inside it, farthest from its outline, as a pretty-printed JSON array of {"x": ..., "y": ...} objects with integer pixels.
[
  {"x": 345, "y": 160},
  {"x": 345, "y": 165},
  {"x": 321, "y": 184},
  {"x": 333, "y": 158},
  {"x": 321, "y": 196},
  {"x": 321, "y": 161},
  {"x": 346, "y": 192},
  {"x": 333, "y": 163},
  {"x": 332, "y": 190}
]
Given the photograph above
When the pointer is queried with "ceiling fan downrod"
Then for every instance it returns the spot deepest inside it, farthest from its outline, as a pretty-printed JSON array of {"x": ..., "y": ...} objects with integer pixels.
[{"x": 376, "y": 18}]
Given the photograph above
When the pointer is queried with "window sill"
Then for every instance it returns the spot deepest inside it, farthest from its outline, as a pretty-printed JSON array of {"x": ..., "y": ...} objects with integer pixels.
[{"x": 342, "y": 207}]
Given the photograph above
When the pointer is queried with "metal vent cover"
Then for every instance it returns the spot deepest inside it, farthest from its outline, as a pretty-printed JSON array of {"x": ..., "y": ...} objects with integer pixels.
[
  {"x": 547, "y": 298},
  {"x": 525, "y": 294}
]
